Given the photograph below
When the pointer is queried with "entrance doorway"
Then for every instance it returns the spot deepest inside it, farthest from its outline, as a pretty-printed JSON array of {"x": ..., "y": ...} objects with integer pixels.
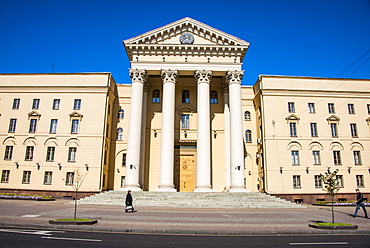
[{"x": 185, "y": 173}]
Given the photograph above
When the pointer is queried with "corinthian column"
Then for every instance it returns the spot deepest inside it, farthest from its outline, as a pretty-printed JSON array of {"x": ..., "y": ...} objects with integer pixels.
[
  {"x": 203, "y": 183},
  {"x": 168, "y": 129},
  {"x": 234, "y": 79},
  {"x": 134, "y": 130}
]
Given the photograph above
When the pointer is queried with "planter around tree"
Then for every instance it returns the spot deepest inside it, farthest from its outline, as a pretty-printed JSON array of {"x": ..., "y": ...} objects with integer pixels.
[
  {"x": 346, "y": 227},
  {"x": 72, "y": 222}
]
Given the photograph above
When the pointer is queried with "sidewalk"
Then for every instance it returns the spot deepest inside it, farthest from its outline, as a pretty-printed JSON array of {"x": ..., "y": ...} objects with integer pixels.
[{"x": 32, "y": 214}]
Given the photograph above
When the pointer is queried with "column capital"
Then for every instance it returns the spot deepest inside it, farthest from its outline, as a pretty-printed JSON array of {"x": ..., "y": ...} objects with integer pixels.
[
  {"x": 137, "y": 75},
  {"x": 203, "y": 76},
  {"x": 234, "y": 77},
  {"x": 169, "y": 76}
]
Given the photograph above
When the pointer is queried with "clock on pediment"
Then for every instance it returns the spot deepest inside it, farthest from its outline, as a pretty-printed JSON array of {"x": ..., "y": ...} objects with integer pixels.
[{"x": 187, "y": 38}]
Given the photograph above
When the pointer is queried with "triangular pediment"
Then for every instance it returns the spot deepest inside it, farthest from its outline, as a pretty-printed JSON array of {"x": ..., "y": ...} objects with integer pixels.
[
  {"x": 333, "y": 118},
  {"x": 203, "y": 35},
  {"x": 293, "y": 118}
]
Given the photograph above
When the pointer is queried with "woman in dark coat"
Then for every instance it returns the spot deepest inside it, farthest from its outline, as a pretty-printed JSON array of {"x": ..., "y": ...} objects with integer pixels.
[{"x": 129, "y": 202}]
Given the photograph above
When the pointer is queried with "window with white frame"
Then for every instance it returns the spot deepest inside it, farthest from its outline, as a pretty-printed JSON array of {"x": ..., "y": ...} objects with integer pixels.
[
  {"x": 16, "y": 103},
  {"x": 213, "y": 97},
  {"x": 33, "y": 126},
  {"x": 318, "y": 181},
  {"x": 295, "y": 157},
  {"x": 340, "y": 181},
  {"x": 360, "y": 181},
  {"x": 311, "y": 107},
  {"x": 121, "y": 114},
  {"x": 56, "y": 104},
  {"x": 120, "y": 133},
  {"x": 29, "y": 153},
  {"x": 291, "y": 107},
  {"x": 313, "y": 127},
  {"x": 331, "y": 108},
  {"x": 74, "y": 126},
  {"x": 77, "y": 104},
  {"x": 72, "y": 152},
  {"x": 248, "y": 136},
  {"x": 70, "y": 178},
  {"x": 247, "y": 116},
  {"x": 185, "y": 96},
  {"x": 26, "y": 177},
  {"x": 316, "y": 157},
  {"x": 8, "y": 153},
  {"x": 334, "y": 130},
  {"x": 185, "y": 121},
  {"x": 5, "y": 176},
  {"x": 351, "y": 108},
  {"x": 296, "y": 182},
  {"x": 12, "y": 125},
  {"x": 353, "y": 128},
  {"x": 293, "y": 129},
  {"x": 48, "y": 177},
  {"x": 156, "y": 96},
  {"x": 50, "y": 154},
  {"x": 337, "y": 158},
  {"x": 36, "y": 104},
  {"x": 357, "y": 157},
  {"x": 53, "y": 126},
  {"x": 124, "y": 155}
]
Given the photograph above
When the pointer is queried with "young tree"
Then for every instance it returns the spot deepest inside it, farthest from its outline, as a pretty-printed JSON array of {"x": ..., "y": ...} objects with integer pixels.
[
  {"x": 332, "y": 186},
  {"x": 76, "y": 185}
]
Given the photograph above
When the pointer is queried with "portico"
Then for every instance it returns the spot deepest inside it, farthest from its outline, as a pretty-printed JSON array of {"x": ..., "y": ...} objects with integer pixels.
[{"x": 190, "y": 65}]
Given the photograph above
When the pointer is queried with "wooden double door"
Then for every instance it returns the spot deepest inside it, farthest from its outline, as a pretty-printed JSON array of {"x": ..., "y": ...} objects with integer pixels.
[{"x": 185, "y": 173}]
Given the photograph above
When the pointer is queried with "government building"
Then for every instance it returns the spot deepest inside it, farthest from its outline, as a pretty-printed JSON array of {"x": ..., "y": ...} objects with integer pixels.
[{"x": 185, "y": 123}]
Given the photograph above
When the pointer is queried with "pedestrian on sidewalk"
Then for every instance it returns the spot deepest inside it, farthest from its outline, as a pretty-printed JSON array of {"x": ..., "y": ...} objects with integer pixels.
[
  {"x": 359, "y": 203},
  {"x": 128, "y": 202}
]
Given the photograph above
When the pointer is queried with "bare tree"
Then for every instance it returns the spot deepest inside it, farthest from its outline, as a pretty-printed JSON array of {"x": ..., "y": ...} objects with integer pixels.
[
  {"x": 76, "y": 185},
  {"x": 332, "y": 186}
]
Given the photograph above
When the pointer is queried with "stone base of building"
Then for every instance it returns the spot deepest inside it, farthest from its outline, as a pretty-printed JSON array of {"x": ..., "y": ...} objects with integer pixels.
[
  {"x": 54, "y": 194},
  {"x": 313, "y": 198}
]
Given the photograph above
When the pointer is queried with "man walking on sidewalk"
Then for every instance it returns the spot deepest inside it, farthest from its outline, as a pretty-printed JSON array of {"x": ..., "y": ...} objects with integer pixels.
[{"x": 359, "y": 203}]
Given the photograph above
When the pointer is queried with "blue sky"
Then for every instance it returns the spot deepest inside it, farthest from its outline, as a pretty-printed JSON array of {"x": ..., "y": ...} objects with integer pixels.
[{"x": 320, "y": 38}]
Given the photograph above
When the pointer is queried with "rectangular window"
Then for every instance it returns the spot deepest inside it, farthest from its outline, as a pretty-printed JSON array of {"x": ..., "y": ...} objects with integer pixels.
[
  {"x": 313, "y": 127},
  {"x": 74, "y": 127},
  {"x": 337, "y": 159},
  {"x": 185, "y": 122},
  {"x": 26, "y": 177},
  {"x": 353, "y": 127},
  {"x": 36, "y": 104},
  {"x": 318, "y": 181},
  {"x": 311, "y": 108},
  {"x": 48, "y": 177},
  {"x": 72, "y": 154},
  {"x": 331, "y": 108},
  {"x": 56, "y": 104},
  {"x": 295, "y": 157},
  {"x": 33, "y": 126},
  {"x": 50, "y": 153},
  {"x": 53, "y": 126},
  {"x": 8, "y": 153},
  {"x": 316, "y": 157},
  {"x": 124, "y": 155},
  {"x": 357, "y": 157},
  {"x": 77, "y": 104},
  {"x": 351, "y": 108},
  {"x": 334, "y": 130},
  {"x": 293, "y": 129},
  {"x": 360, "y": 181},
  {"x": 291, "y": 108},
  {"x": 12, "y": 125},
  {"x": 70, "y": 178},
  {"x": 368, "y": 109},
  {"x": 29, "y": 153},
  {"x": 296, "y": 182},
  {"x": 123, "y": 181},
  {"x": 16, "y": 103},
  {"x": 5, "y": 176},
  {"x": 340, "y": 181}
]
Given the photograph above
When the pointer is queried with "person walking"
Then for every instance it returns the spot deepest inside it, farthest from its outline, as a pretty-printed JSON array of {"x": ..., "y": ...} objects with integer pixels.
[
  {"x": 359, "y": 203},
  {"x": 128, "y": 202}
]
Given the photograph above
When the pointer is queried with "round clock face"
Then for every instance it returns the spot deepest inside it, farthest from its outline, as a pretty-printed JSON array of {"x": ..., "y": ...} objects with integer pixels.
[{"x": 186, "y": 38}]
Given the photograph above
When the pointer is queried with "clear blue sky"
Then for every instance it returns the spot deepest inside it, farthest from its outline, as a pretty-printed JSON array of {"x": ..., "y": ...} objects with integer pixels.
[{"x": 322, "y": 38}]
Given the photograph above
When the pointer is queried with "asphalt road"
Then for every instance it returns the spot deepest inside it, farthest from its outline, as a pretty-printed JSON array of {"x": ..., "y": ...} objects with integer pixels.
[{"x": 18, "y": 237}]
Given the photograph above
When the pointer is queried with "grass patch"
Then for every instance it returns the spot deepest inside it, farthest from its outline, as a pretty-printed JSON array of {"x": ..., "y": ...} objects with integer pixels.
[
  {"x": 71, "y": 219},
  {"x": 332, "y": 224}
]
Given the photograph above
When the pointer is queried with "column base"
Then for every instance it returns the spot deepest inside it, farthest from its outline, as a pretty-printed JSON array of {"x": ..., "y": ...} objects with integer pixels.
[
  {"x": 131, "y": 187},
  {"x": 203, "y": 189},
  {"x": 166, "y": 188},
  {"x": 239, "y": 189}
]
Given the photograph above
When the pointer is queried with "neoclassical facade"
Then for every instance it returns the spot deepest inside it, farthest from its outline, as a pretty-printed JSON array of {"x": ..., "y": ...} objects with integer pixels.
[{"x": 185, "y": 123}]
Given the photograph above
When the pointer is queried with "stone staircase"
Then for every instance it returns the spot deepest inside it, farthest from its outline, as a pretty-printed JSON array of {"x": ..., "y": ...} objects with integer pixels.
[{"x": 191, "y": 200}]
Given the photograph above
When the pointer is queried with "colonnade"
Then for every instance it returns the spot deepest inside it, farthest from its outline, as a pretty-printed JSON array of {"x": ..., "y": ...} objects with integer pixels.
[{"x": 234, "y": 148}]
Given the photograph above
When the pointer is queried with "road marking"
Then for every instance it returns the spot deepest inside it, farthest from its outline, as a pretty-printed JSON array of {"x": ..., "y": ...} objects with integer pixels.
[
  {"x": 37, "y": 232},
  {"x": 74, "y": 239},
  {"x": 322, "y": 243},
  {"x": 30, "y": 215}
]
